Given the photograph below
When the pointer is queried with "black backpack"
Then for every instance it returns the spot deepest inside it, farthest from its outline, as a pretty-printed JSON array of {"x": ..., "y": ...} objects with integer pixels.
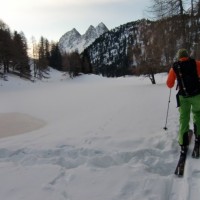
[{"x": 187, "y": 77}]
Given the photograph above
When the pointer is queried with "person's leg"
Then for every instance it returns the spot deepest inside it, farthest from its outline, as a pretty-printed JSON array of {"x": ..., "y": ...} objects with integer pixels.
[
  {"x": 196, "y": 118},
  {"x": 184, "y": 109},
  {"x": 195, "y": 101}
]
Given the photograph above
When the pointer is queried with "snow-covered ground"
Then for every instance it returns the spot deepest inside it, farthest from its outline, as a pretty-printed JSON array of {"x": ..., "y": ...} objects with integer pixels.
[{"x": 91, "y": 138}]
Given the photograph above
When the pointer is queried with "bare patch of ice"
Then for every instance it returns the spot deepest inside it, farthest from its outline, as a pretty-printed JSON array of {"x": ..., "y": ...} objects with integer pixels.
[{"x": 17, "y": 123}]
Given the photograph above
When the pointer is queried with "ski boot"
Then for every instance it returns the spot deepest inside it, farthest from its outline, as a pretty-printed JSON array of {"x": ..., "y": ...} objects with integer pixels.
[
  {"x": 179, "y": 171},
  {"x": 183, "y": 152}
]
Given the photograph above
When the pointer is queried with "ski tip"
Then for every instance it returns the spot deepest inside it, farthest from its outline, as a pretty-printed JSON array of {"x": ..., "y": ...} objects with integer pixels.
[{"x": 178, "y": 173}]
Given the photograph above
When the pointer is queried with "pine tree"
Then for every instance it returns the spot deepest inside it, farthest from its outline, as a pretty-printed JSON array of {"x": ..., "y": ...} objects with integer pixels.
[
  {"x": 5, "y": 47},
  {"x": 20, "y": 57},
  {"x": 55, "y": 60}
]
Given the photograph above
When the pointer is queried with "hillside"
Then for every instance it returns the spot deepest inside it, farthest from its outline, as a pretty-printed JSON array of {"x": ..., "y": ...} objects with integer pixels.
[{"x": 137, "y": 47}]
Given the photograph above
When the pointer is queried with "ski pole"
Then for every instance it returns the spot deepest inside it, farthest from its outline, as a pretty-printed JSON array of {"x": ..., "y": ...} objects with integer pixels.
[{"x": 165, "y": 127}]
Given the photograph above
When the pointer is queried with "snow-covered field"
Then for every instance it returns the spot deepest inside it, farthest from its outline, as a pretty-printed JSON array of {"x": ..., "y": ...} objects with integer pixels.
[{"x": 91, "y": 138}]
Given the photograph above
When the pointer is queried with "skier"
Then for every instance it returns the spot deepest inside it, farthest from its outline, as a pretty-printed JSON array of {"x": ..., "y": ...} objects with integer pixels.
[{"x": 187, "y": 73}]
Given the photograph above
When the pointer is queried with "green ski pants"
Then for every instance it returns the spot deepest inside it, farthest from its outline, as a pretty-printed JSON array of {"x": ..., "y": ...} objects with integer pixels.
[{"x": 188, "y": 104}]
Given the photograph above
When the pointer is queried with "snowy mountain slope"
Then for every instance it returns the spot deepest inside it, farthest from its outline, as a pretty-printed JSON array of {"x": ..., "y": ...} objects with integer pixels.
[
  {"x": 126, "y": 47},
  {"x": 112, "y": 47},
  {"x": 70, "y": 39},
  {"x": 102, "y": 139},
  {"x": 73, "y": 40}
]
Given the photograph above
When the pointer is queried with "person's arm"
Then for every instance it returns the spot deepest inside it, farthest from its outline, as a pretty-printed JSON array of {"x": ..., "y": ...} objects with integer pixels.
[{"x": 171, "y": 78}]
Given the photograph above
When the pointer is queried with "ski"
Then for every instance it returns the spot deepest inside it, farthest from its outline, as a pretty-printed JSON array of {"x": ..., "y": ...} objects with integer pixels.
[
  {"x": 179, "y": 171},
  {"x": 195, "y": 152},
  {"x": 180, "y": 166}
]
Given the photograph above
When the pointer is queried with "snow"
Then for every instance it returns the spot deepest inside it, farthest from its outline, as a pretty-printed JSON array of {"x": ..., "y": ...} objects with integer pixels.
[{"x": 91, "y": 138}]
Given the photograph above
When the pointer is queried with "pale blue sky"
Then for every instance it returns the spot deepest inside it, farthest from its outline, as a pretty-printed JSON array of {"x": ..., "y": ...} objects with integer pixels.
[{"x": 53, "y": 18}]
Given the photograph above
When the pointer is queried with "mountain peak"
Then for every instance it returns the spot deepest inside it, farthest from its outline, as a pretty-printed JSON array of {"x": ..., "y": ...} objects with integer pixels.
[
  {"x": 101, "y": 24},
  {"x": 71, "y": 34},
  {"x": 74, "y": 29},
  {"x": 91, "y": 33},
  {"x": 91, "y": 28},
  {"x": 75, "y": 32},
  {"x": 101, "y": 28},
  {"x": 73, "y": 40}
]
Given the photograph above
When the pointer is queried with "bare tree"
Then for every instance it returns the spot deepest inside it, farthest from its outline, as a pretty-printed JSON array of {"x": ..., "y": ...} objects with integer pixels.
[
  {"x": 42, "y": 63},
  {"x": 35, "y": 55},
  {"x": 167, "y": 8},
  {"x": 72, "y": 63}
]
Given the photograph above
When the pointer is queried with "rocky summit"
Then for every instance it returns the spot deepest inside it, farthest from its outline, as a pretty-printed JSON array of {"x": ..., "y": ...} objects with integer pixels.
[{"x": 74, "y": 41}]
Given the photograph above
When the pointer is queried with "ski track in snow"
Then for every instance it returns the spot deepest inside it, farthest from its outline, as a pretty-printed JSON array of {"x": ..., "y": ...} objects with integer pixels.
[
  {"x": 69, "y": 157},
  {"x": 187, "y": 187},
  {"x": 156, "y": 161},
  {"x": 193, "y": 176}
]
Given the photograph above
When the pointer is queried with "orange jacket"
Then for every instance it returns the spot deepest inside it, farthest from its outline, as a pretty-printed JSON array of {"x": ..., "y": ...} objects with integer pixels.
[{"x": 172, "y": 75}]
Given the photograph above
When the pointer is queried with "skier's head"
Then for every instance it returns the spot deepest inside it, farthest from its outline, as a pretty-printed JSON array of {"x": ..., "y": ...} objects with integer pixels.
[{"x": 182, "y": 53}]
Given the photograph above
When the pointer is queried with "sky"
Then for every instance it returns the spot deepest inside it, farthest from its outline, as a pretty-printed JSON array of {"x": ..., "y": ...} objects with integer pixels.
[{"x": 53, "y": 18}]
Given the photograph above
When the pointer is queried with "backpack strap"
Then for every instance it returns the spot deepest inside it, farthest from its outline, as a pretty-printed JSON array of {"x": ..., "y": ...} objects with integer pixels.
[{"x": 180, "y": 79}]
